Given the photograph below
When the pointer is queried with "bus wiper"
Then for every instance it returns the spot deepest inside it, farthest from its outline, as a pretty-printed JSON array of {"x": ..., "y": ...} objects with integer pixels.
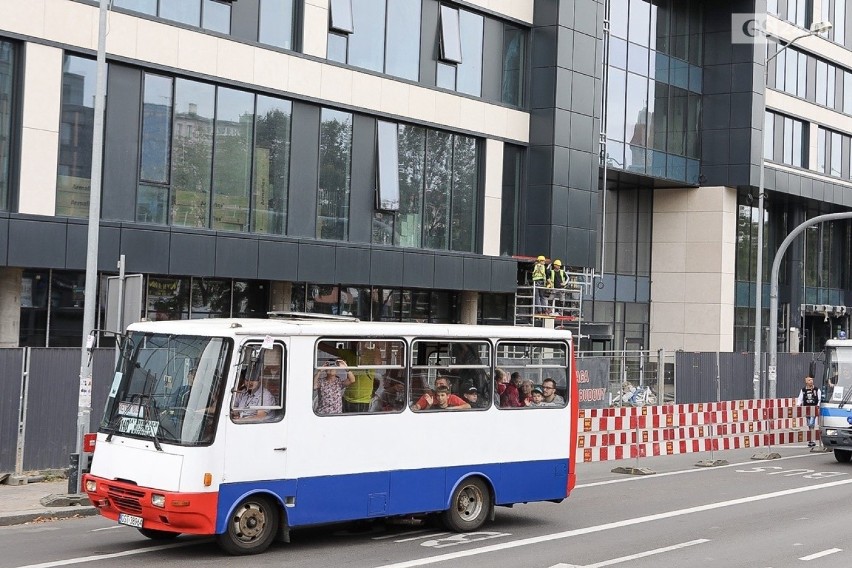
[
  {"x": 846, "y": 397},
  {"x": 112, "y": 425},
  {"x": 146, "y": 400}
]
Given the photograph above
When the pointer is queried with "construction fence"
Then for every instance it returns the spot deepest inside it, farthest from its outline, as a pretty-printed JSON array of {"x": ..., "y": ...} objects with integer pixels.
[{"x": 39, "y": 391}]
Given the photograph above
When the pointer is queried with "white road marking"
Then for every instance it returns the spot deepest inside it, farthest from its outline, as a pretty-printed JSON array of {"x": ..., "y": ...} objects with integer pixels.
[
  {"x": 820, "y": 554},
  {"x": 637, "y": 555},
  {"x": 430, "y": 535},
  {"x": 679, "y": 472},
  {"x": 613, "y": 525},
  {"x": 383, "y": 537},
  {"x": 97, "y": 557},
  {"x": 109, "y": 528}
]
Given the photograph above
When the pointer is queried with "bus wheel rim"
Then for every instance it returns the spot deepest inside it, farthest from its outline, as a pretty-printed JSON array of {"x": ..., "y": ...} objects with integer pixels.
[
  {"x": 469, "y": 502},
  {"x": 249, "y": 522}
]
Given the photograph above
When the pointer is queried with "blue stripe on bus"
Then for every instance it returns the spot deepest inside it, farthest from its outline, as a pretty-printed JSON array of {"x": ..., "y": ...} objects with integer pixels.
[
  {"x": 844, "y": 412},
  {"x": 336, "y": 498}
]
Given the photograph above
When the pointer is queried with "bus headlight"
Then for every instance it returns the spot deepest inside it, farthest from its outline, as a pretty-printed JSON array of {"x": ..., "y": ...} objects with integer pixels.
[
  {"x": 91, "y": 485},
  {"x": 831, "y": 432},
  {"x": 158, "y": 500}
]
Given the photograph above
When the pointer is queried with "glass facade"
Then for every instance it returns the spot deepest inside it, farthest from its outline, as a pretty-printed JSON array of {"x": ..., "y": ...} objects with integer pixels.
[
  {"x": 335, "y": 175},
  {"x": 655, "y": 85},
  {"x": 8, "y": 80},
  {"x": 76, "y": 128},
  {"x": 786, "y": 140}
]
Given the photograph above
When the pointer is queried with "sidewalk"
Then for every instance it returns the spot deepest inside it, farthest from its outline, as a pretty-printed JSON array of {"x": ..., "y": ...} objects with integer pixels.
[{"x": 21, "y": 504}]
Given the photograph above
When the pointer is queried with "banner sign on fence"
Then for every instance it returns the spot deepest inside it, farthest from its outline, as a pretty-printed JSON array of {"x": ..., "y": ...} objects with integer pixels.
[{"x": 593, "y": 379}]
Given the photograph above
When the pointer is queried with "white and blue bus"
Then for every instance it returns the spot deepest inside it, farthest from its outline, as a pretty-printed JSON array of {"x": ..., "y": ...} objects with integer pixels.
[
  {"x": 248, "y": 428},
  {"x": 836, "y": 407}
]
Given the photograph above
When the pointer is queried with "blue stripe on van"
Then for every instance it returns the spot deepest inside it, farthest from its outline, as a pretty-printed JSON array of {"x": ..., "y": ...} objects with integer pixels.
[
  {"x": 844, "y": 412},
  {"x": 337, "y": 498}
]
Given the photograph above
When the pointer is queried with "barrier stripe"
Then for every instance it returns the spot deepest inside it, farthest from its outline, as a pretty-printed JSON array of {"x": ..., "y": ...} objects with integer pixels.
[{"x": 631, "y": 432}]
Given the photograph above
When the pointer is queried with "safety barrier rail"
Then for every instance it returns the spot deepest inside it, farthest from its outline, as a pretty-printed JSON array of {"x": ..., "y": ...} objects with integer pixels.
[{"x": 633, "y": 432}]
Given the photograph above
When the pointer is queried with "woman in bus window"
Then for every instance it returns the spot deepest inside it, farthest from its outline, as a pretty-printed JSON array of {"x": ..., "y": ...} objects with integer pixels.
[{"x": 329, "y": 383}]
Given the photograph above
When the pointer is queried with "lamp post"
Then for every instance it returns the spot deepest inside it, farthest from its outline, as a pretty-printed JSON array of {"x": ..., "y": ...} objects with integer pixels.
[{"x": 816, "y": 28}]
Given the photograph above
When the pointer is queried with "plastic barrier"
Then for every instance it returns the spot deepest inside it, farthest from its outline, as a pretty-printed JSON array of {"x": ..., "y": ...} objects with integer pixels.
[{"x": 634, "y": 432}]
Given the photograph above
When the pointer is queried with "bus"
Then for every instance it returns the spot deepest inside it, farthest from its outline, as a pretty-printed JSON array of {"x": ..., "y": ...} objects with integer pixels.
[
  {"x": 836, "y": 407},
  {"x": 248, "y": 428}
]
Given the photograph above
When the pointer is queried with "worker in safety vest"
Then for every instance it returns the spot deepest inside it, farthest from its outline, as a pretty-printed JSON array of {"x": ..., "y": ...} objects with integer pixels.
[
  {"x": 557, "y": 279},
  {"x": 539, "y": 280}
]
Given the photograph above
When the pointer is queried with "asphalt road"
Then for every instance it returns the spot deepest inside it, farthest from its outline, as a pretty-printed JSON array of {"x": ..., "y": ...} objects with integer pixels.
[{"x": 791, "y": 512}]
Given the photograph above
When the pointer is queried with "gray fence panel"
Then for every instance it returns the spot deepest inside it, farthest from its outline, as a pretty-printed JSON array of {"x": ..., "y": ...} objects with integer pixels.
[
  {"x": 792, "y": 368},
  {"x": 696, "y": 377},
  {"x": 10, "y": 396},
  {"x": 53, "y": 387},
  {"x": 736, "y": 376}
]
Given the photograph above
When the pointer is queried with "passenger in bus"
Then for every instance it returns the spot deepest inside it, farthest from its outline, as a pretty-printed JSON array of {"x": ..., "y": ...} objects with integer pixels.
[
  {"x": 501, "y": 377},
  {"x": 390, "y": 397},
  {"x": 428, "y": 397},
  {"x": 511, "y": 394},
  {"x": 471, "y": 395},
  {"x": 442, "y": 400},
  {"x": 252, "y": 395},
  {"x": 550, "y": 396},
  {"x": 180, "y": 398},
  {"x": 536, "y": 397},
  {"x": 526, "y": 391},
  {"x": 330, "y": 381},
  {"x": 359, "y": 393}
]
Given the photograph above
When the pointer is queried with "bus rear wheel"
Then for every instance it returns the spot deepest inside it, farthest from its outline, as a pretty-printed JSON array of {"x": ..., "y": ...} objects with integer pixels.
[
  {"x": 154, "y": 534},
  {"x": 469, "y": 506},
  {"x": 843, "y": 456},
  {"x": 251, "y": 527}
]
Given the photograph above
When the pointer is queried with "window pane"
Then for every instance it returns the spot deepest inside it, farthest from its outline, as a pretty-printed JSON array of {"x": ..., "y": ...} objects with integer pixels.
[
  {"x": 167, "y": 299},
  {"x": 184, "y": 11},
  {"x": 192, "y": 153},
  {"x": 271, "y": 165},
  {"x": 152, "y": 204},
  {"x": 366, "y": 43},
  {"x": 156, "y": 128},
  {"x": 439, "y": 160},
  {"x": 210, "y": 298},
  {"x": 276, "y": 23},
  {"x": 446, "y": 76},
  {"x": 464, "y": 194},
  {"x": 639, "y": 23},
  {"x": 216, "y": 17},
  {"x": 341, "y": 16},
  {"x": 337, "y": 47},
  {"x": 450, "y": 38},
  {"x": 143, "y": 6},
  {"x": 836, "y": 147},
  {"x": 512, "y": 172},
  {"x": 637, "y": 108},
  {"x": 615, "y": 104},
  {"x": 402, "y": 50},
  {"x": 335, "y": 157},
  {"x": 514, "y": 46},
  {"x": 618, "y": 18},
  {"x": 769, "y": 136},
  {"x": 382, "y": 232},
  {"x": 469, "y": 73},
  {"x": 821, "y": 82},
  {"x": 232, "y": 159},
  {"x": 76, "y": 127},
  {"x": 408, "y": 227},
  {"x": 388, "y": 167},
  {"x": 7, "y": 79}
]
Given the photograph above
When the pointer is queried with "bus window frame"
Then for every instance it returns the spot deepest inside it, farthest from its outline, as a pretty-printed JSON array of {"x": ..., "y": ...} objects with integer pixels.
[
  {"x": 275, "y": 412},
  {"x": 568, "y": 369}
]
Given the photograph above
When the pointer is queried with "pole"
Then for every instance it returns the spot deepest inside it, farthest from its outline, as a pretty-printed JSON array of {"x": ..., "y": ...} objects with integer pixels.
[
  {"x": 84, "y": 401},
  {"x": 120, "y": 324},
  {"x": 773, "y": 291},
  {"x": 761, "y": 213}
]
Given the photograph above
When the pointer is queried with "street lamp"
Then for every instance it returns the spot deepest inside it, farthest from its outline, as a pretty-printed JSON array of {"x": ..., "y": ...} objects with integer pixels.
[{"x": 816, "y": 28}]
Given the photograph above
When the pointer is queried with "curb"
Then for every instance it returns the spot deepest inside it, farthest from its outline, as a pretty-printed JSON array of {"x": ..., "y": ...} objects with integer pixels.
[{"x": 23, "y": 517}]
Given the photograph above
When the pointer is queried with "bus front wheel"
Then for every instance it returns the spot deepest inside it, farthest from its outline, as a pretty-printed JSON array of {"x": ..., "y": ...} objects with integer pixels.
[
  {"x": 469, "y": 506},
  {"x": 251, "y": 527},
  {"x": 843, "y": 456}
]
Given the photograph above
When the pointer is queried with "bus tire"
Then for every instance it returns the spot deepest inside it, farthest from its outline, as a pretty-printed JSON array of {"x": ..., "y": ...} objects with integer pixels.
[
  {"x": 155, "y": 534},
  {"x": 470, "y": 506},
  {"x": 843, "y": 456},
  {"x": 252, "y": 526}
]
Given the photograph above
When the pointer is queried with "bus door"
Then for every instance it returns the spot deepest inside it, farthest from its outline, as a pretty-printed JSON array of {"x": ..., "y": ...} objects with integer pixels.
[{"x": 256, "y": 441}]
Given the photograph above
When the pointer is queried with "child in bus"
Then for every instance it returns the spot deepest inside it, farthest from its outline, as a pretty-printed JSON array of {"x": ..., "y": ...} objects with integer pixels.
[
  {"x": 536, "y": 397},
  {"x": 428, "y": 398},
  {"x": 441, "y": 400}
]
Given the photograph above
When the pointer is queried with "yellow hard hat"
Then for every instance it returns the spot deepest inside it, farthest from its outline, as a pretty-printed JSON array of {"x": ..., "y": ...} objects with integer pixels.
[
  {"x": 557, "y": 262},
  {"x": 540, "y": 258}
]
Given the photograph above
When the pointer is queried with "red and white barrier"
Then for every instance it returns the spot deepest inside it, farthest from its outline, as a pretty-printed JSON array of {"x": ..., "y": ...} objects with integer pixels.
[{"x": 631, "y": 432}]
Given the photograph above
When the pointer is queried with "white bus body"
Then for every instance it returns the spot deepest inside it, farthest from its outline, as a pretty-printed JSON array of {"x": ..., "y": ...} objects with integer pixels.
[
  {"x": 242, "y": 480},
  {"x": 836, "y": 407}
]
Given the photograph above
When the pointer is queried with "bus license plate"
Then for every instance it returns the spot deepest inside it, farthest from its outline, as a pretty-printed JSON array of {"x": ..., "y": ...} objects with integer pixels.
[{"x": 130, "y": 520}]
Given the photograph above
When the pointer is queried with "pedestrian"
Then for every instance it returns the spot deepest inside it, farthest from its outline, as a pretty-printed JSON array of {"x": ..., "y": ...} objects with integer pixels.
[{"x": 809, "y": 396}]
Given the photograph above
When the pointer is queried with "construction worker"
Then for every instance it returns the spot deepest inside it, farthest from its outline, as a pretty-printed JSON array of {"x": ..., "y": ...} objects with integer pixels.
[
  {"x": 539, "y": 280},
  {"x": 557, "y": 279}
]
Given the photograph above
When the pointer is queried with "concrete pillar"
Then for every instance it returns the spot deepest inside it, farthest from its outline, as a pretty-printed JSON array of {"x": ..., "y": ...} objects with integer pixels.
[
  {"x": 280, "y": 294},
  {"x": 469, "y": 304},
  {"x": 10, "y": 306}
]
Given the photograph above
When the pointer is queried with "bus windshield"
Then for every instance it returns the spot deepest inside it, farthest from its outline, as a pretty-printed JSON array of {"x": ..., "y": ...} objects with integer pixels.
[
  {"x": 167, "y": 388},
  {"x": 838, "y": 374}
]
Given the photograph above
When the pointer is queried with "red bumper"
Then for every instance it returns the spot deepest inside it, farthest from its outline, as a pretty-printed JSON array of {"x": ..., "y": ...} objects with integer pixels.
[{"x": 190, "y": 513}]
